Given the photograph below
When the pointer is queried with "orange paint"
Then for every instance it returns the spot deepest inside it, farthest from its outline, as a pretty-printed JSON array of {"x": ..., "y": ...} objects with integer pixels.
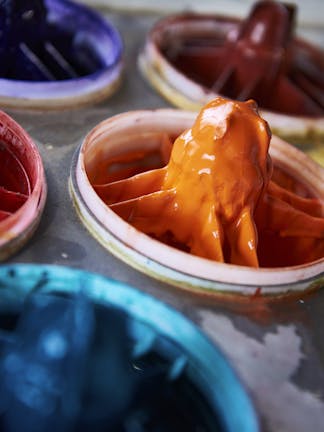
[{"x": 215, "y": 197}]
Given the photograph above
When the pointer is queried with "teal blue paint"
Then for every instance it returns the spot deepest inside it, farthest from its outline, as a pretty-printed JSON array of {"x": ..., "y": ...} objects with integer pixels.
[{"x": 206, "y": 365}]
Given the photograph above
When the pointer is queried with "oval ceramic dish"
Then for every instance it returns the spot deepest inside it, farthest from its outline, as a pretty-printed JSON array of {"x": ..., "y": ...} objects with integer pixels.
[
  {"x": 140, "y": 130},
  {"x": 206, "y": 367},
  {"x": 187, "y": 93},
  {"x": 86, "y": 32},
  {"x": 22, "y": 186}
]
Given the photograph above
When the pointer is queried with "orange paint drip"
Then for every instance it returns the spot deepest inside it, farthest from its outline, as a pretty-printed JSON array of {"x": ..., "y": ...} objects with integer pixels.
[{"x": 215, "y": 197}]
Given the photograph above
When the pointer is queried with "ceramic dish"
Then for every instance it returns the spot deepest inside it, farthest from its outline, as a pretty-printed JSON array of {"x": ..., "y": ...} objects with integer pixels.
[
  {"x": 140, "y": 130},
  {"x": 205, "y": 366},
  {"x": 22, "y": 186},
  {"x": 79, "y": 65},
  {"x": 187, "y": 92},
  {"x": 310, "y": 16}
]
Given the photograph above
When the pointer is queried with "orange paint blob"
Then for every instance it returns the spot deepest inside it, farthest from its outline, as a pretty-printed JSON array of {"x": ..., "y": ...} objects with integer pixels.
[{"x": 216, "y": 198}]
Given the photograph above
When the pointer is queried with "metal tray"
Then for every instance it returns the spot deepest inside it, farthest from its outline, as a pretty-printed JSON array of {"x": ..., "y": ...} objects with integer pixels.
[{"x": 277, "y": 348}]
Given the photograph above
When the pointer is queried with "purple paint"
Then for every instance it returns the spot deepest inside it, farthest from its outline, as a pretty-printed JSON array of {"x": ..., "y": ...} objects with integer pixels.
[{"x": 77, "y": 53}]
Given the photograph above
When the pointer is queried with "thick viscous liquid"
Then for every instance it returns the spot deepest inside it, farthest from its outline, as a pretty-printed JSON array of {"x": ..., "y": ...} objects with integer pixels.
[
  {"x": 248, "y": 59},
  {"x": 219, "y": 196}
]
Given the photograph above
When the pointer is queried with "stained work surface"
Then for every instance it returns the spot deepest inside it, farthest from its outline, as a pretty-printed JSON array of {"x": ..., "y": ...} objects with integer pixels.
[{"x": 277, "y": 349}]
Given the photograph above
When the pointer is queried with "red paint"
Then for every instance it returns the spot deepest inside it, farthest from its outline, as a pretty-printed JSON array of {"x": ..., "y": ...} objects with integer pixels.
[
  {"x": 22, "y": 186},
  {"x": 14, "y": 182},
  {"x": 257, "y": 58}
]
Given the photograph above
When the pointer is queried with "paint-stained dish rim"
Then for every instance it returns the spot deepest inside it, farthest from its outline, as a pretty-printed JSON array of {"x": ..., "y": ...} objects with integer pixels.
[
  {"x": 77, "y": 92},
  {"x": 185, "y": 93},
  {"x": 17, "y": 228},
  {"x": 169, "y": 264},
  {"x": 207, "y": 366}
]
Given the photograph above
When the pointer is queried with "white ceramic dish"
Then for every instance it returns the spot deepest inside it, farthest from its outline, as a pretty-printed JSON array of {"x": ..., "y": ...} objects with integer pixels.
[
  {"x": 188, "y": 94},
  {"x": 19, "y": 225},
  {"x": 142, "y": 129},
  {"x": 92, "y": 33}
]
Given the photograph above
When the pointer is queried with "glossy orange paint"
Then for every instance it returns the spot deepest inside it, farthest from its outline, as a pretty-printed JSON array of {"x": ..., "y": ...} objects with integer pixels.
[{"x": 217, "y": 196}]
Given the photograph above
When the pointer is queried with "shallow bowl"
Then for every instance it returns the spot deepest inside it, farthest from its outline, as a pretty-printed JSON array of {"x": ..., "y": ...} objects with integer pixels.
[
  {"x": 18, "y": 227},
  {"x": 206, "y": 367},
  {"x": 103, "y": 39},
  {"x": 188, "y": 94},
  {"x": 140, "y": 130}
]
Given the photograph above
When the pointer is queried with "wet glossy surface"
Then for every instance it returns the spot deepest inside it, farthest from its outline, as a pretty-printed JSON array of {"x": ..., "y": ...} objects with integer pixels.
[
  {"x": 22, "y": 186},
  {"x": 14, "y": 183},
  {"x": 247, "y": 59},
  {"x": 17, "y": 170},
  {"x": 215, "y": 197},
  {"x": 51, "y": 40},
  {"x": 131, "y": 370},
  {"x": 277, "y": 347}
]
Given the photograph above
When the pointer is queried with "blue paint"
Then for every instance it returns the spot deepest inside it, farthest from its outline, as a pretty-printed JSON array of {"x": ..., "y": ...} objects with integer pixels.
[
  {"x": 53, "y": 40},
  {"x": 176, "y": 341}
]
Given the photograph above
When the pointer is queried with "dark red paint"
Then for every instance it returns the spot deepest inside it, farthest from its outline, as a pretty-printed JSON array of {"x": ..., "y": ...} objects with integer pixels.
[
  {"x": 14, "y": 182},
  {"x": 257, "y": 58}
]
